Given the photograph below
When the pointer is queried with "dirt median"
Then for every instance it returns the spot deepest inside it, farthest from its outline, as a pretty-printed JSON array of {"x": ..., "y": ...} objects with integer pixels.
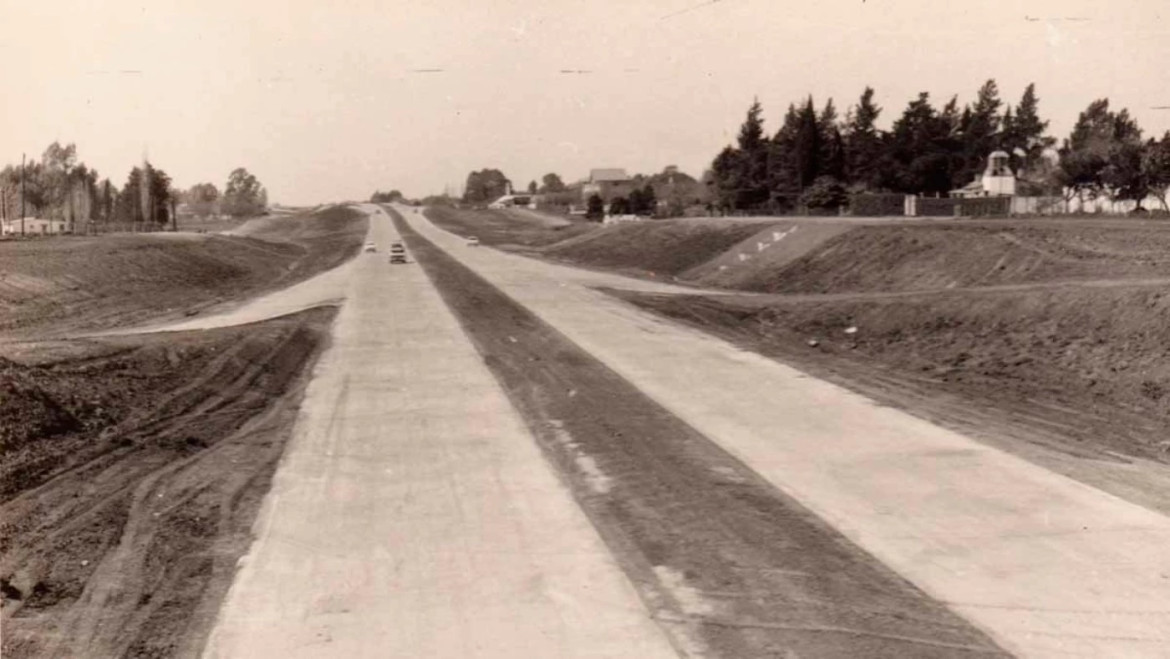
[
  {"x": 132, "y": 470},
  {"x": 727, "y": 563}
]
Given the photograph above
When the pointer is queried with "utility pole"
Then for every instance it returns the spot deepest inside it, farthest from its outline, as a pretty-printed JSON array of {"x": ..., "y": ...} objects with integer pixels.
[{"x": 22, "y": 195}]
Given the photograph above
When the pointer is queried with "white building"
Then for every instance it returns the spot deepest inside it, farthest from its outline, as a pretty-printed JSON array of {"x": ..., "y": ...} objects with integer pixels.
[
  {"x": 998, "y": 180},
  {"x": 33, "y": 226}
]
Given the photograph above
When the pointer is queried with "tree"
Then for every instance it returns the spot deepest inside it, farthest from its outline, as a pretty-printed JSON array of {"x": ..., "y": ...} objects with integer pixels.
[
  {"x": 826, "y": 194},
  {"x": 56, "y": 176},
  {"x": 532, "y": 187},
  {"x": 725, "y": 178},
  {"x": 783, "y": 171},
  {"x": 551, "y": 184},
  {"x": 1156, "y": 165},
  {"x": 203, "y": 199},
  {"x": 595, "y": 207},
  {"x": 386, "y": 197},
  {"x": 146, "y": 196},
  {"x": 1101, "y": 140},
  {"x": 643, "y": 201},
  {"x": 619, "y": 206},
  {"x": 751, "y": 161},
  {"x": 921, "y": 149},
  {"x": 243, "y": 196},
  {"x": 485, "y": 186},
  {"x": 1023, "y": 133},
  {"x": 832, "y": 155},
  {"x": 863, "y": 142},
  {"x": 978, "y": 129},
  {"x": 807, "y": 146}
]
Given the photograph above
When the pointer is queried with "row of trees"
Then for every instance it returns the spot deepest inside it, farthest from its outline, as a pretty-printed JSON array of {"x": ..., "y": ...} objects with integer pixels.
[
  {"x": 815, "y": 159},
  {"x": 60, "y": 186},
  {"x": 243, "y": 196},
  {"x": 487, "y": 185}
]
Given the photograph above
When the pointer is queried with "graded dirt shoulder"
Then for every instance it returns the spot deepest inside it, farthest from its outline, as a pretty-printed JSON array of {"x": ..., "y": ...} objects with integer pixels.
[
  {"x": 133, "y": 469},
  {"x": 730, "y": 565},
  {"x": 62, "y": 286}
]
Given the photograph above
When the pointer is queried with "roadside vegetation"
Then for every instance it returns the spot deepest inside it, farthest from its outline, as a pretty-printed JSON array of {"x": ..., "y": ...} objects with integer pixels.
[
  {"x": 816, "y": 160},
  {"x": 52, "y": 287},
  {"x": 60, "y": 186}
]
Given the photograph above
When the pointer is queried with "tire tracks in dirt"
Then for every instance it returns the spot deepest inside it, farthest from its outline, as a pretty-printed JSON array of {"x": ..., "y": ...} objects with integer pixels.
[{"x": 129, "y": 550}]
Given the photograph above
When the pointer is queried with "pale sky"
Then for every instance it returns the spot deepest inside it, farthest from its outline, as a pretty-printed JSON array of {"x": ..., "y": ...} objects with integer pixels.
[{"x": 330, "y": 100}]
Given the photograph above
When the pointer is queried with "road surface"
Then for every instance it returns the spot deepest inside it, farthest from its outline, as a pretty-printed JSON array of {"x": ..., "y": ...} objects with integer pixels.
[
  {"x": 413, "y": 514},
  {"x": 1048, "y": 566}
]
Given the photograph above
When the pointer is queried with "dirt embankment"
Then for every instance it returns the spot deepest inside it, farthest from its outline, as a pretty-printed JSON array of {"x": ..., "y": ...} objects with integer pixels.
[
  {"x": 907, "y": 257},
  {"x": 1045, "y": 339},
  {"x": 656, "y": 248},
  {"x": 728, "y": 564},
  {"x": 132, "y": 471},
  {"x": 63, "y": 285},
  {"x": 506, "y": 230}
]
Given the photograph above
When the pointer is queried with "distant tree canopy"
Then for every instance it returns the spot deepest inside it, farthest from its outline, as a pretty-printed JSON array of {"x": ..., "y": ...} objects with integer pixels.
[
  {"x": 146, "y": 197},
  {"x": 485, "y": 186},
  {"x": 551, "y": 183},
  {"x": 393, "y": 196},
  {"x": 203, "y": 199},
  {"x": 243, "y": 196},
  {"x": 815, "y": 158},
  {"x": 595, "y": 207}
]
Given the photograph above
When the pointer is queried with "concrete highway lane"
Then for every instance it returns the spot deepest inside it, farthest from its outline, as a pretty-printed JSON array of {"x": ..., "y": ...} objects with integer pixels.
[
  {"x": 1046, "y": 565},
  {"x": 414, "y": 515}
]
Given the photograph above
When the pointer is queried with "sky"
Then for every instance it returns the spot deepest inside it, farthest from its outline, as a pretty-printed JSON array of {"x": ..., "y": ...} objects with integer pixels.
[{"x": 327, "y": 101}]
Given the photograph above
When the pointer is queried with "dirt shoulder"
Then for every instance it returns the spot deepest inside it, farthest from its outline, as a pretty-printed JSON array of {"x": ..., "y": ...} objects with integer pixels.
[
  {"x": 1073, "y": 379},
  {"x": 132, "y": 470},
  {"x": 728, "y": 564},
  {"x": 67, "y": 285}
]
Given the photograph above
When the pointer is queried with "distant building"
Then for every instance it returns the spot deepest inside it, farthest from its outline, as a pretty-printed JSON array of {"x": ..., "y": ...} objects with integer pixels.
[
  {"x": 36, "y": 226},
  {"x": 997, "y": 180},
  {"x": 607, "y": 183}
]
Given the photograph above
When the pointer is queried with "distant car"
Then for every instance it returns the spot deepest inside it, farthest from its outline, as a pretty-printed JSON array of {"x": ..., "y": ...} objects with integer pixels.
[
  {"x": 397, "y": 247},
  {"x": 397, "y": 259},
  {"x": 371, "y": 247},
  {"x": 472, "y": 241}
]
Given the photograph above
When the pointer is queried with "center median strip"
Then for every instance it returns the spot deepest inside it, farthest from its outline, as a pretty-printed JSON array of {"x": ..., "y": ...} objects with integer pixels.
[{"x": 727, "y": 563}]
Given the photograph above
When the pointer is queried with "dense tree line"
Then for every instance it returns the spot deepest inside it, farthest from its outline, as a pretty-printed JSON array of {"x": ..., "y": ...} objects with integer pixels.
[
  {"x": 60, "y": 186},
  {"x": 816, "y": 159},
  {"x": 486, "y": 186},
  {"x": 380, "y": 197}
]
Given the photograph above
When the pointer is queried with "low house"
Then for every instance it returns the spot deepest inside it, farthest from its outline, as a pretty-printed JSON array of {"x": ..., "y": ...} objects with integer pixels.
[
  {"x": 34, "y": 226},
  {"x": 607, "y": 183}
]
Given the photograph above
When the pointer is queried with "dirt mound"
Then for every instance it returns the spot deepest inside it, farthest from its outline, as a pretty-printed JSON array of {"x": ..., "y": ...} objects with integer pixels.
[
  {"x": 1086, "y": 369},
  {"x": 659, "y": 248},
  {"x": 68, "y": 284},
  {"x": 768, "y": 251},
  {"x": 28, "y": 412},
  {"x": 907, "y": 257},
  {"x": 119, "y": 536}
]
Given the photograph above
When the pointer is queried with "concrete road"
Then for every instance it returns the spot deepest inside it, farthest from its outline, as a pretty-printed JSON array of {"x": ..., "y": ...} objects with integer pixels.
[
  {"x": 1047, "y": 565},
  {"x": 413, "y": 514}
]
